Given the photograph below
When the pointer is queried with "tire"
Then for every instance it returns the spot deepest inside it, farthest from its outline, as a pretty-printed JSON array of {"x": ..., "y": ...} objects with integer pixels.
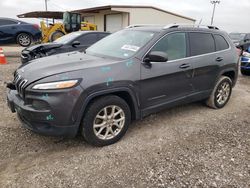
[
  {"x": 90, "y": 119},
  {"x": 24, "y": 39},
  {"x": 245, "y": 72},
  {"x": 55, "y": 35},
  {"x": 225, "y": 94}
]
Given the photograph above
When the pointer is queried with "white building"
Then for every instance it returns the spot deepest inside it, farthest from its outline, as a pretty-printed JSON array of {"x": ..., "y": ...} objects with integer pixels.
[{"x": 114, "y": 17}]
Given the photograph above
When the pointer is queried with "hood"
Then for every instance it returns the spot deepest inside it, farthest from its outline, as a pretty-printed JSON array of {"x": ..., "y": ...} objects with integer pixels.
[
  {"x": 61, "y": 63},
  {"x": 47, "y": 46}
]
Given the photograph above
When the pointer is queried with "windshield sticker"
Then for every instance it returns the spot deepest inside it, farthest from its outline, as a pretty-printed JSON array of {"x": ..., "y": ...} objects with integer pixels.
[
  {"x": 109, "y": 81},
  {"x": 105, "y": 69},
  {"x": 129, "y": 63},
  {"x": 130, "y": 47}
]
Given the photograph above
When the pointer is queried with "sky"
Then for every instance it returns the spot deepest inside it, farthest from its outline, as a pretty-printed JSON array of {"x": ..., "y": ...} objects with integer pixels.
[{"x": 230, "y": 15}]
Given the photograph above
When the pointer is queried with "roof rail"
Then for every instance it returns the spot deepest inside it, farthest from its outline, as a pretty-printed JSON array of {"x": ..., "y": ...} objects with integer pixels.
[
  {"x": 144, "y": 25},
  {"x": 169, "y": 26}
]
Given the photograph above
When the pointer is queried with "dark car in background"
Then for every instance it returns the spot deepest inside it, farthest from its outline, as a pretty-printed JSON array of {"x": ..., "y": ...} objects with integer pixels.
[
  {"x": 15, "y": 31},
  {"x": 76, "y": 41}
]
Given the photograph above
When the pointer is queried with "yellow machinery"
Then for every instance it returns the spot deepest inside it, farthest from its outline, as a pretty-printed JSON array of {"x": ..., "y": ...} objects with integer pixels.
[
  {"x": 52, "y": 32},
  {"x": 71, "y": 22},
  {"x": 88, "y": 26}
]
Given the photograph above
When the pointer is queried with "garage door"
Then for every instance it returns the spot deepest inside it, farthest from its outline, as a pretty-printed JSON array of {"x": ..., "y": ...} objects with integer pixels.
[{"x": 113, "y": 22}]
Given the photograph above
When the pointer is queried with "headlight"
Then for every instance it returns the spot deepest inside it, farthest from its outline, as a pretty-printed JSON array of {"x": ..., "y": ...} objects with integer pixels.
[{"x": 56, "y": 85}]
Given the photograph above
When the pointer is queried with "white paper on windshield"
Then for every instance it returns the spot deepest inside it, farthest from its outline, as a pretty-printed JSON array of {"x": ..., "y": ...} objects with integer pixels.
[{"x": 130, "y": 47}]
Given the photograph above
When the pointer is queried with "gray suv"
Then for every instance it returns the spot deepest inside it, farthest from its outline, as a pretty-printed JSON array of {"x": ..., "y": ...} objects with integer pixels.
[{"x": 126, "y": 76}]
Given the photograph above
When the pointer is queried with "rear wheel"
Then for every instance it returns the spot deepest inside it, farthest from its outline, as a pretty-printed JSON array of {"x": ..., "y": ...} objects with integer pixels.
[
  {"x": 55, "y": 35},
  {"x": 24, "y": 39},
  {"x": 106, "y": 121},
  {"x": 221, "y": 93}
]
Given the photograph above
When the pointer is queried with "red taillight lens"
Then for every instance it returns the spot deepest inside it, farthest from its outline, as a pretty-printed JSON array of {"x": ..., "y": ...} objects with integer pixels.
[{"x": 36, "y": 26}]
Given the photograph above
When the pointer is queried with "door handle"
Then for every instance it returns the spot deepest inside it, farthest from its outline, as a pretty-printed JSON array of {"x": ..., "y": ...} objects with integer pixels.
[
  {"x": 184, "y": 66},
  {"x": 219, "y": 59}
]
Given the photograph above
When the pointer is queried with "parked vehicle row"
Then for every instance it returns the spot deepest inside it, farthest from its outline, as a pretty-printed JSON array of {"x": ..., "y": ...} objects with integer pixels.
[{"x": 123, "y": 77}]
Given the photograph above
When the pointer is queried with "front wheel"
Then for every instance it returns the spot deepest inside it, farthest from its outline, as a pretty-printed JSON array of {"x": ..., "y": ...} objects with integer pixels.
[
  {"x": 221, "y": 93},
  {"x": 106, "y": 120}
]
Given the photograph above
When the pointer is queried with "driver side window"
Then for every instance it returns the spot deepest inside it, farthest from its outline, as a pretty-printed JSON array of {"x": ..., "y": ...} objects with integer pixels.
[{"x": 174, "y": 45}]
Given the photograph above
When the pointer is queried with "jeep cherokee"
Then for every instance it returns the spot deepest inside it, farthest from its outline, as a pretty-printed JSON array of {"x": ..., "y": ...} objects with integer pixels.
[{"x": 126, "y": 76}]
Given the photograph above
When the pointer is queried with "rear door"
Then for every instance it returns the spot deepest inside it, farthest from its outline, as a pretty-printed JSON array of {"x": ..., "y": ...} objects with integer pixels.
[
  {"x": 203, "y": 60},
  {"x": 166, "y": 82},
  {"x": 102, "y": 35},
  {"x": 85, "y": 40}
]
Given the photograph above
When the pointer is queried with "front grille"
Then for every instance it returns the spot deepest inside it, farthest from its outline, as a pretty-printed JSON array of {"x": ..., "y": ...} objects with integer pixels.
[{"x": 20, "y": 84}]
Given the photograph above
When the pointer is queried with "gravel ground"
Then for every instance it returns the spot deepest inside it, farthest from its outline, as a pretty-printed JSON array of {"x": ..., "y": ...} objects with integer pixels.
[{"x": 186, "y": 146}]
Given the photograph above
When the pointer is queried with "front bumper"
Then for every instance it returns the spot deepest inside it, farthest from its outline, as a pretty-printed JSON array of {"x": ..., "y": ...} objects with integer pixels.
[{"x": 39, "y": 121}]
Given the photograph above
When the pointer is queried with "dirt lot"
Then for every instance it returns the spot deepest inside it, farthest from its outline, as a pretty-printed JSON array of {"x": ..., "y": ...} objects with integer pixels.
[{"x": 187, "y": 146}]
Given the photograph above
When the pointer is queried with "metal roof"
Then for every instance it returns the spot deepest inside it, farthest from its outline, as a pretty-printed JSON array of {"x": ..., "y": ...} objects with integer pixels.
[
  {"x": 109, "y": 7},
  {"x": 42, "y": 14},
  {"x": 59, "y": 15}
]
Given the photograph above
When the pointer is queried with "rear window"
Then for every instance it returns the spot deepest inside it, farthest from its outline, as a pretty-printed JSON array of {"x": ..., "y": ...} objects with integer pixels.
[
  {"x": 247, "y": 37},
  {"x": 7, "y": 22},
  {"x": 88, "y": 39},
  {"x": 221, "y": 43},
  {"x": 201, "y": 43}
]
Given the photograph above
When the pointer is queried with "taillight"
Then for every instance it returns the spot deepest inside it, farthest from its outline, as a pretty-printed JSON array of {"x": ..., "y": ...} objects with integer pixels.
[{"x": 36, "y": 26}]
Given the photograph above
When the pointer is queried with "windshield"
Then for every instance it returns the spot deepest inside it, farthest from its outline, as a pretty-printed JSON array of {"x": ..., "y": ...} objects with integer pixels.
[
  {"x": 67, "y": 38},
  {"x": 122, "y": 44},
  {"x": 236, "y": 36}
]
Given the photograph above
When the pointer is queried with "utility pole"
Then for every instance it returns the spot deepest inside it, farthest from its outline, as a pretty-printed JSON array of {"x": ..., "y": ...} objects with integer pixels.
[
  {"x": 46, "y": 5},
  {"x": 214, "y": 3},
  {"x": 46, "y": 9}
]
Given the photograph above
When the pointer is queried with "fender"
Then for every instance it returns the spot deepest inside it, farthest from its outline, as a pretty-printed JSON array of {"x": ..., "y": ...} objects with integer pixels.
[
  {"x": 229, "y": 69},
  {"x": 134, "y": 96}
]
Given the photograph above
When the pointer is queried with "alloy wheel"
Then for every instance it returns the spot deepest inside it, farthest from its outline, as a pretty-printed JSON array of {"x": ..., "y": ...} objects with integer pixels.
[
  {"x": 223, "y": 93},
  {"x": 24, "y": 40},
  {"x": 109, "y": 122}
]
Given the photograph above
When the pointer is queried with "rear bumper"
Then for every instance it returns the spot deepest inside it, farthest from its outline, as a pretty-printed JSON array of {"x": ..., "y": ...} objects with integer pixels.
[
  {"x": 37, "y": 36},
  {"x": 37, "y": 121},
  {"x": 245, "y": 63}
]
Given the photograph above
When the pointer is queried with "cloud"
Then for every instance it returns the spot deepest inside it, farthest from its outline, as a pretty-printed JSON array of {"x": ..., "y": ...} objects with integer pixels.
[{"x": 230, "y": 15}]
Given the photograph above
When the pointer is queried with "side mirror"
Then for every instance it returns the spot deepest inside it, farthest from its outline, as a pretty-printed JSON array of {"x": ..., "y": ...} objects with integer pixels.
[
  {"x": 155, "y": 56},
  {"x": 75, "y": 44}
]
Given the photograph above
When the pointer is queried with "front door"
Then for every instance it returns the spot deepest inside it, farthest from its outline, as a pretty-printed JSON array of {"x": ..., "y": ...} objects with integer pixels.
[{"x": 167, "y": 82}]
